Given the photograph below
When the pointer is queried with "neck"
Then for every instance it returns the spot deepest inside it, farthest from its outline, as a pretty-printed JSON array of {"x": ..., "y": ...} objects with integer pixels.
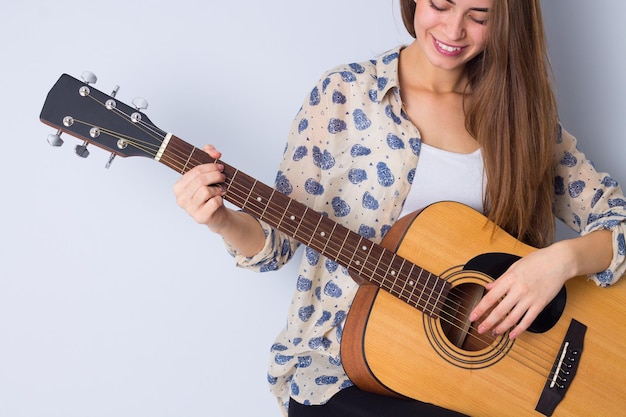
[{"x": 416, "y": 71}]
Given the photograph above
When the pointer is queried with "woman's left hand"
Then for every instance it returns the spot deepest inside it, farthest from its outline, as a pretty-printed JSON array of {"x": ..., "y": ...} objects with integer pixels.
[{"x": 522, "y": 292}]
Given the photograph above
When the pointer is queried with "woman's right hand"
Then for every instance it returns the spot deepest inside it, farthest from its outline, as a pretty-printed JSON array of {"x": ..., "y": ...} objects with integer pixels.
[{"x": 199, "y": 192}]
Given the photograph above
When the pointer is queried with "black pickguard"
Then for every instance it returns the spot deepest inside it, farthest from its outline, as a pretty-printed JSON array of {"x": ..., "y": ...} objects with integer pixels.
[{"x": 496, "y": 264}]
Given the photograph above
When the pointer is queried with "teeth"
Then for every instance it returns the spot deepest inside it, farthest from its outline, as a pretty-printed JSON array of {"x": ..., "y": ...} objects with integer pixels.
[{"x": 447, "y": 47}]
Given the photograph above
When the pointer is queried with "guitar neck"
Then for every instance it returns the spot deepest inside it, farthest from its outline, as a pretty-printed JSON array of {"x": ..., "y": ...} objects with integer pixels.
[
  {"x": 80, "y": 110},
  {"x": 370, "y": 261}
]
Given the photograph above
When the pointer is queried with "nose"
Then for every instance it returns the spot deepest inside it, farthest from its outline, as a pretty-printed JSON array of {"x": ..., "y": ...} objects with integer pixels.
[{"x": 455, "y": 26}]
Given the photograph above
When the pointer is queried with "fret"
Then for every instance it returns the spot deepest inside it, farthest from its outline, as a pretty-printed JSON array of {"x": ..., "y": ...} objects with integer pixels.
[
  {"x": 279, "y": 206},
  {"x": 240, "y": 202},
  {"x": 314, "y": 234},
  {"x": 255, "y": 197},
  {"x": 384, "y": 275},
  {"x": 376, "y": 265},
  {"x": 389, "y": 271},
  {"x": 168, "y": 156},
  {"x": 281, "y": 224},
  {"x": 366, "y": 256},
  {"x": 399, "y": 273},
  {"x": 415, "y": 286},
  {"x": 182, "y": 171},
  {"x": 341, "y": 250},
  {"x": 249, "y": 197},
  {"x": 269, "y": 201},
  {"x": 443, "y": 295},
  {"x": 444, "y": 291},
  {"x": 306, "y": 209},
  {"x": 411, "y": 280},
  {"x": 420, "y": 297},
  {"x": 432, "y": 290},
  {"x": 370, "y": 261},
  {"x": 296, "y": 214},
  {"x": 353, "y": 251},
  {"x": 261, "y": 196},
  {"x": 306, "y": 221},
  {"x": 329, "y": 237}
]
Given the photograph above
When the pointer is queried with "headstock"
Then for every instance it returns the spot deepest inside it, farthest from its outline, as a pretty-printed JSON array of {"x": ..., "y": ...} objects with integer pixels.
[{"x": 78, "y": 109}]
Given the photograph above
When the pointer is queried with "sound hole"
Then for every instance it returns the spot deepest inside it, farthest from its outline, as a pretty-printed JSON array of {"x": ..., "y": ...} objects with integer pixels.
[{"x": 455, "y": 322}]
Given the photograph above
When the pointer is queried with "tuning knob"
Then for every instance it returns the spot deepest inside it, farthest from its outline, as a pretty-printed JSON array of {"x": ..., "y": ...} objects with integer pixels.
[
  {"x": 81, "y": 150},
  {"x": 55, "y": 140},
  {"x": 111, "y": 158},
  {"x": 89, "y": 77},
  {"x": 140, "y": 103}
]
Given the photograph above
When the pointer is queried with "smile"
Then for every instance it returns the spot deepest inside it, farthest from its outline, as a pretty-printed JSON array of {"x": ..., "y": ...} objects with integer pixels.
[{"x": 448, "y": 48}]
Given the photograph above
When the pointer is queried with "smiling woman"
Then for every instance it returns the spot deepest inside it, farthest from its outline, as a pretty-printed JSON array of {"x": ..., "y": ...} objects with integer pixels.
[
  {"x": 475, "y": 80},
  {"x": 455, "y": 29},
  {"x": 113, "y": 302}
]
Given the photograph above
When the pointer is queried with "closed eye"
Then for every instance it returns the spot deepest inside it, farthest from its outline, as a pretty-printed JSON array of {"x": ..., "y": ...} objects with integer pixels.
[
  {"x": 472, "y": 17},
  {"x": 434, "y": 6}
]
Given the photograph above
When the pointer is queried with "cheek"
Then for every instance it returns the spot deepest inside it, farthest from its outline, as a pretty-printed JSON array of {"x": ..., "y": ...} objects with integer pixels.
[
  {"x": 425, "y": 17},
  {"x": 422, "y": 24},
  {"x": 480, "y": 38}
]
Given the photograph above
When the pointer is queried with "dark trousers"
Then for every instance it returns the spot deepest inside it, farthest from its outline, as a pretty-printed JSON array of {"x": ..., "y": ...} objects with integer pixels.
[{"x": 353, "y": 402}]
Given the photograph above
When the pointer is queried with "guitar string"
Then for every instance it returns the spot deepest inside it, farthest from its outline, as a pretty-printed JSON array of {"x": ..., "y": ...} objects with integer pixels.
[
  {"x": 187, "y": 160},
  {"x": 310, "y": 228},
  {"x": 246, "y": 195},
  {"x": 145, "y": 146},
  {"x": 158, "y": 134},
  {"x": 155, "y": 134}
]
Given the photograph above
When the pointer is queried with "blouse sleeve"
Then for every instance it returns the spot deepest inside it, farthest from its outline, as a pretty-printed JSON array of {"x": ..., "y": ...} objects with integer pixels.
[
  {"x": 297, "y": 177},
  {"x": 587, "y": 200}
]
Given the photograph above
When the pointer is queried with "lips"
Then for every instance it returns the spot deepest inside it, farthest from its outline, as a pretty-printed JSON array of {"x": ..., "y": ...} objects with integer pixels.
[{"x": 447, "y": 49}]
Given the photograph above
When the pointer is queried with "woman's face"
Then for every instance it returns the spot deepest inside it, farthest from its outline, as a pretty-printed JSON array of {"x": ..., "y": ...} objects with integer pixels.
[{"x": 451, "y": 32}]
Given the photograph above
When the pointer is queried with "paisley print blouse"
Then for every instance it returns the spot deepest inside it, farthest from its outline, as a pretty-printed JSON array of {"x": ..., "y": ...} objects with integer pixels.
[{"x": 351, "y": 155}]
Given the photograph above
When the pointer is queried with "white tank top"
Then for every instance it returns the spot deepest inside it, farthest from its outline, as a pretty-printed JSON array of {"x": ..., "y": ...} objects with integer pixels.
[{"x": 446, "y": 176}]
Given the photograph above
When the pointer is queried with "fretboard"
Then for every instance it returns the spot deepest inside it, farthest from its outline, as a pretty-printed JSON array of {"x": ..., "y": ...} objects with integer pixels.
[{"x": 370, "y": 261}]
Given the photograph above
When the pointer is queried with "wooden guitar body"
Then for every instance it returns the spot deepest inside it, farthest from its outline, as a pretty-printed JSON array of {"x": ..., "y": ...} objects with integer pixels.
[{"x": 391, "y": 348}]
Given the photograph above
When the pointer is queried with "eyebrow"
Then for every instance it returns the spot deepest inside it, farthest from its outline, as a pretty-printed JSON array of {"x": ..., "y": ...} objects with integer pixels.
[{"x": 478, "y": 9}]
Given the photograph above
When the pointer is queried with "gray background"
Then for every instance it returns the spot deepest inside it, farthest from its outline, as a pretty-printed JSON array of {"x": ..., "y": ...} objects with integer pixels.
[{"x": 113, "y": 302}]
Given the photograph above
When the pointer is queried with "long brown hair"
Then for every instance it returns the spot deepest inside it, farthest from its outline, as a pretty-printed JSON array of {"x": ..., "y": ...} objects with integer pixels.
[{"x": 512, "y": 114}]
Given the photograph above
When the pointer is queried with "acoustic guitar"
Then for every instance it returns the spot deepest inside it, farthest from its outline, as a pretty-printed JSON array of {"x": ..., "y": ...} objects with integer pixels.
[{"x": 408, "y": 332}]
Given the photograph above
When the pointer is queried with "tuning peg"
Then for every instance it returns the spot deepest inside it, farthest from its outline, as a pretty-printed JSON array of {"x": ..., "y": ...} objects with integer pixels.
[
  {"x": 111, "y": 158},
  {"x": 81, "y": 150},
  {"x": 55, "y": 140},
  {"x": 115, "y": 90},
  {"x": 89, "y": 77},
  {"x": 140, "y": 103}
]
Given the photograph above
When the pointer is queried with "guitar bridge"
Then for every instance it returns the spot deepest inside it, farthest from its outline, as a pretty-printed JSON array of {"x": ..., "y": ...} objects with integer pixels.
[{"x": 563, "y": 370}]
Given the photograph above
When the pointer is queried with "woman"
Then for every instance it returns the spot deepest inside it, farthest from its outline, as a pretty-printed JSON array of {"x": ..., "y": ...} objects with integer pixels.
[{"x": 465, "y": 112}]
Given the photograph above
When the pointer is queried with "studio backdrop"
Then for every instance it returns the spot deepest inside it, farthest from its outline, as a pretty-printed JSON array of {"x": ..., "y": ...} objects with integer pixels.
[{"x": 114, "y": 302}]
